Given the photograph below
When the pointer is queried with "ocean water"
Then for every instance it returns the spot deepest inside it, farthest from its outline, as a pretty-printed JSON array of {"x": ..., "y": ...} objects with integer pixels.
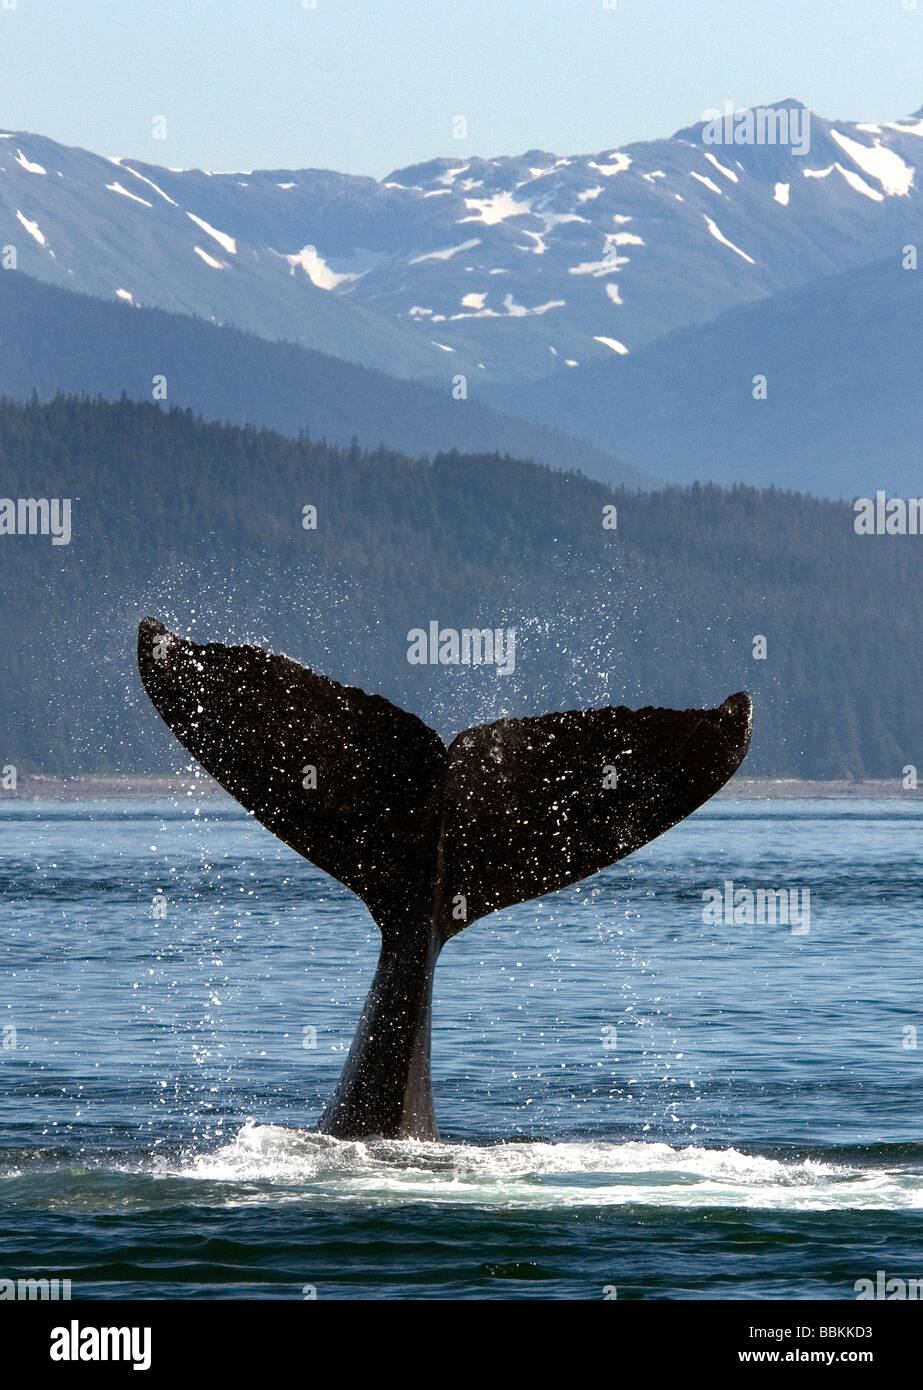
[{"x": 631, "y": 1099}]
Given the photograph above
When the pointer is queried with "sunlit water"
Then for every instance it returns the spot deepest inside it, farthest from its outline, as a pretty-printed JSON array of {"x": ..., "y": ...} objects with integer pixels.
[{"x": 629, "y": 1097}]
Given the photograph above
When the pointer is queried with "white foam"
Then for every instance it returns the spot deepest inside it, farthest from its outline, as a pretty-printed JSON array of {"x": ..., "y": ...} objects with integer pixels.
[
  {"x": 536, "y": 1175},
  {"x": 126, "y": 294},
  {"x": 782, "y": 193}
]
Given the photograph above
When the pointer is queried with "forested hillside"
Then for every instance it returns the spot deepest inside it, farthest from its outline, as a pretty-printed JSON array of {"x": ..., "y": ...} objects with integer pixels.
[
  {"x": 202, "y": 526},
  {"x": 55, "y": 341}
]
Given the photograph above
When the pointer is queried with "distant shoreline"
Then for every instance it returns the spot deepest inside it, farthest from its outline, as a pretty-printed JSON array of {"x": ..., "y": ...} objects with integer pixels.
[{"x": 45, "y": 788}]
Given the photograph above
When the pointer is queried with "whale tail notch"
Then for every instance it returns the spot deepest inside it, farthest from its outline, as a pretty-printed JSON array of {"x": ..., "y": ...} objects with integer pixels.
[{"x": 364, "y": 790}]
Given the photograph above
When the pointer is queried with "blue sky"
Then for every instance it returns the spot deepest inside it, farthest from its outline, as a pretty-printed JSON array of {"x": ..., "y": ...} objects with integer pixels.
[{"x": 367, "y": 86}]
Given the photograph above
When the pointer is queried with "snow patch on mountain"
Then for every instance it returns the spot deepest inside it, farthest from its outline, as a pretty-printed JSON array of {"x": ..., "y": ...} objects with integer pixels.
[
  {"x": 447, "y": 254},
  {"x": 497, "y": 208},
  {"x": 709, "y": 183},
  {"x": 166, "y": 197},
  {"x": 27, "y": 164},
  {"x": 32, "y": 228},
  {"x": 728, "y": 173},
  {"x": 518, "y": 311},
  {"x": 612, "y": 343},
  {"x": 317, "y": 269},
  {"x": 117, "y": 188},
  {"x": 719, "y": 236},
  {"x": 210, "y": 260},
  {"x": 450, "y": 175},
  {"x": 618, "y": 163},
  {"x": 857, "y": 182},
  {"x": 541, "y": 245},
  {"x": 227, "y": 242},
  {"x": 895, "y": 177},
  {"x": 611, "y": 260}
]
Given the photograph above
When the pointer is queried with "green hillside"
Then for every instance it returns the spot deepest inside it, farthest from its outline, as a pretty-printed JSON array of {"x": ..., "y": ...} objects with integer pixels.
[{"x": 201, "y": 525}]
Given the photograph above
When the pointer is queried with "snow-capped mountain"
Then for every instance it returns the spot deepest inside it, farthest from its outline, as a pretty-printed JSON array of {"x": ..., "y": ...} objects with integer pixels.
[{"x": 504, "y": 268}]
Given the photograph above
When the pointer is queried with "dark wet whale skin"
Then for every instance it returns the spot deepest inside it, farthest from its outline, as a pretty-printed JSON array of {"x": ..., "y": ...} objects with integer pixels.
[{"x": 431, "y": 838}]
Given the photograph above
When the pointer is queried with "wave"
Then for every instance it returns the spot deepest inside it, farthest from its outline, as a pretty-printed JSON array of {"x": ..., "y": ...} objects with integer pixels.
[{"x": 542, "y": 1175}]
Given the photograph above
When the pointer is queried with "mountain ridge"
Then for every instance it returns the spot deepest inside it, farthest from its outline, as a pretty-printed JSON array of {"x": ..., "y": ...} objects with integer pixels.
[{"x": 500, "y": 269}]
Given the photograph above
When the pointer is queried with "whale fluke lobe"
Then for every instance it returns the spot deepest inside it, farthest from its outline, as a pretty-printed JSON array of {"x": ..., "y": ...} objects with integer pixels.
[
  {"x": 431, "y": 839},
  {"x": 533, "y": 805},
  {"x": 256, "y": 721}
]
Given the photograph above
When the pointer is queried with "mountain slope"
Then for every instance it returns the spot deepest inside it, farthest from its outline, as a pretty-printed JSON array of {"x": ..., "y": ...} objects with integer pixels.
[
  {"x": 504, "y": 269},
  {"x": 202, "y": 525},
  {"x": 843, "y": 414},
  {"x": 57, "y": 341}
]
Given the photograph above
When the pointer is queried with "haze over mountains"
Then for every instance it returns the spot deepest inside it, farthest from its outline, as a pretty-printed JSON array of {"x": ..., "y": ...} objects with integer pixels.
[
  {"x": 57, "y": 341},
  {"x": 605, "y": 313},
  {"x": 202, "y": 526},
  {"x": 551, "y": 284},
  {"x": 840, "y": 410}
]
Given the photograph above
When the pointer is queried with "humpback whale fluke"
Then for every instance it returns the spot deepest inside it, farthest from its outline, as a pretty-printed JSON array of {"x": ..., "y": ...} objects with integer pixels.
[{"x": 430, "y": 838}]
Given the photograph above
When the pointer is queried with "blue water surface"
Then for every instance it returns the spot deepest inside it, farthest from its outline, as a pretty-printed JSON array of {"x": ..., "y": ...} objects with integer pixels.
[{"x": 630, "y": 1097}]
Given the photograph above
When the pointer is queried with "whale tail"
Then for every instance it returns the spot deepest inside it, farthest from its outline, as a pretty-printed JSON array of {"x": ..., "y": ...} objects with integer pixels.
[{"x": 430, "y": 838}]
